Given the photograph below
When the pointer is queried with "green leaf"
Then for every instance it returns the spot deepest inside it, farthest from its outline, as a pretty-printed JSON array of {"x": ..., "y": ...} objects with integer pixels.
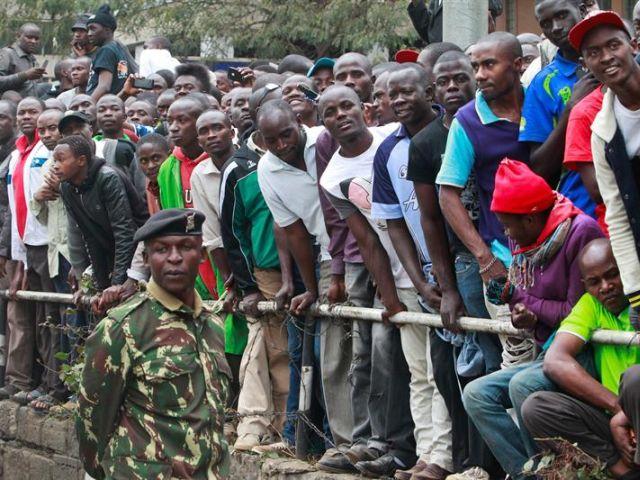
[{"x": 62, "y": 356}]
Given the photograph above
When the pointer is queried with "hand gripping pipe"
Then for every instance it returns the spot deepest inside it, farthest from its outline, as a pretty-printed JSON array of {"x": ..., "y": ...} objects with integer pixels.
[{"x": 501, "y": 327}]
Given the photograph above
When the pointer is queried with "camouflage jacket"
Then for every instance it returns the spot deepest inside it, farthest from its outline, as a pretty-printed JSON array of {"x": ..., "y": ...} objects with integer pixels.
[{"x": 153, "y": 391}]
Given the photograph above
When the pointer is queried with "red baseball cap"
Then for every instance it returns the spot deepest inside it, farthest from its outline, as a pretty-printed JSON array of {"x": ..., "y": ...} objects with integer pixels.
[
  {"x": 591, "y": 21},
  {"x": 406, "y": 55}
]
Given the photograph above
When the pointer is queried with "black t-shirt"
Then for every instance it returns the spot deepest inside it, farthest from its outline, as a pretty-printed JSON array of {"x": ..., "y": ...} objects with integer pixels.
[
  {"x": 425, "y": 159},
  {"x": 109, "y": 57}
]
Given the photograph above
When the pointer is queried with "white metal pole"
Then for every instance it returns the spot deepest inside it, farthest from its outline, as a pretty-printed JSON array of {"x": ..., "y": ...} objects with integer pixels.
[{"x": 502, "y": 327}]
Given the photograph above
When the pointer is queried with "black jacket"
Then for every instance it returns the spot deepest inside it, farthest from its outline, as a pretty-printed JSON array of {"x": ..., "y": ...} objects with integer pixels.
[
  {"x": 106, "y": 210},
  {"x": 427, "y": 20}
]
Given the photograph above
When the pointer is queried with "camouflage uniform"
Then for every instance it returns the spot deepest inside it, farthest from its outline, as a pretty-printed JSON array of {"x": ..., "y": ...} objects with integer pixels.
[{"x": 154, "y": 385}]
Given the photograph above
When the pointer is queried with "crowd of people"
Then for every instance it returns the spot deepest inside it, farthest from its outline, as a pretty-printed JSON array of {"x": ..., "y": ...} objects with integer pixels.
[{"x": 448, "y": 181}]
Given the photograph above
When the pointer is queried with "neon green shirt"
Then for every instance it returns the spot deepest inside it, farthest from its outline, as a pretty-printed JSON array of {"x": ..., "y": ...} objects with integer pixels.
[{"x": 589, "y": 315}]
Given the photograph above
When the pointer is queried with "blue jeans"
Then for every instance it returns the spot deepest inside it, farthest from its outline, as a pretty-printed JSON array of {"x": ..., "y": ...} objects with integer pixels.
[
  {"x": 295, "y": 327},
  {"x": 487, "y": 400},
  {"x": 470, "y": 288},
  {"x": 72, "y": 319}
]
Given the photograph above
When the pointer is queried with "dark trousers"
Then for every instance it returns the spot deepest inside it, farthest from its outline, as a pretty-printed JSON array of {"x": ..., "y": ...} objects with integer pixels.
[
  {"x": 554, "y": 414},
  {"x": 47, "y": 317},
  {"x": 469, "y": 449},
  {"x": 630, "y": 400}
]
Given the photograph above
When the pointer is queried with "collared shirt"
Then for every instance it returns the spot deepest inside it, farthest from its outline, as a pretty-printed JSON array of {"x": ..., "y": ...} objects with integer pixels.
[
  {"x": 478, "y": 141},
  {"x": 14, "y": 61},
  {"x": 35, "y": 234},
  {"x": 53, "y": 216},
  {"x": 155, "y": 381},
  {"x": 205, "y": 190},
  {"x": 292, "y": 194},
  {"x": 393, "y": 195},
  {"x": 459, "y": 157},
  {"x": 544, "y": 103}
]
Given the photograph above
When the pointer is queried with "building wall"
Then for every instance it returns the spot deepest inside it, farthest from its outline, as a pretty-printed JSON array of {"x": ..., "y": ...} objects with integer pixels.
[{"x": 518, "y": 15}]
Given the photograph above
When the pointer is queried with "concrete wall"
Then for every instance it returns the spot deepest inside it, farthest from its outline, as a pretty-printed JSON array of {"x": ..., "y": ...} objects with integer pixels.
[{"x": 43, "y": 447}]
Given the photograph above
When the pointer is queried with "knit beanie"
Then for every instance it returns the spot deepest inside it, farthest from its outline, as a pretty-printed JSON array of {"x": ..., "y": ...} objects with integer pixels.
[
  {"x": 520, "y": 191},
  {"x": 103, "y": 17}
]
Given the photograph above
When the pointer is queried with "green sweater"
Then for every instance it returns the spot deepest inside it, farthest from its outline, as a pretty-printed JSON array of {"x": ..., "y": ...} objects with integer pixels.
[{"x": 171, "y": 196}]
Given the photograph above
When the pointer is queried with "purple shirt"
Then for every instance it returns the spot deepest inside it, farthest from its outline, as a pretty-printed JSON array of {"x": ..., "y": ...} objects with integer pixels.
[
  {"x": 342, "y": 244},
  {"x": 557, "y": 287}
]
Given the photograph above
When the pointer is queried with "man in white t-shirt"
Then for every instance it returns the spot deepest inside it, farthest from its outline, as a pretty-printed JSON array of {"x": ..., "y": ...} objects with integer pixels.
[
  {"x": 347, "y": 182},
  {"x": 605, "y": 45}
]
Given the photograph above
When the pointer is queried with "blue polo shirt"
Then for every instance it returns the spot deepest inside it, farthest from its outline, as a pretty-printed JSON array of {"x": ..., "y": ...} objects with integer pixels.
[
  {"x": 393, "y": 196},
  {"x": 544, "y": 103}
]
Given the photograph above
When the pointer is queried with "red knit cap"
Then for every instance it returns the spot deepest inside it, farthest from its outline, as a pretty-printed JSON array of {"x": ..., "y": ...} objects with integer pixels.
[{"x": 520, "y": 191}]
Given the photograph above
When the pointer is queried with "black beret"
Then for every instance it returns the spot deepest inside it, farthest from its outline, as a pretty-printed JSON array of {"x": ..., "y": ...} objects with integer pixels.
[
  {"x": 173, "y": 221},
  {"x": 104, "y": 17}
]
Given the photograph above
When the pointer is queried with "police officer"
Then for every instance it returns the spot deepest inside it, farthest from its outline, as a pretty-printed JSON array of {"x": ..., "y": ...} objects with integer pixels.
[{"x": 155, "y": 379}]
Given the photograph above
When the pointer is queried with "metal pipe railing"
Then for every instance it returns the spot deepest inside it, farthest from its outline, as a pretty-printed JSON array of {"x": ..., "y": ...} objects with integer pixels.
[{"x": 609, "y": 337}]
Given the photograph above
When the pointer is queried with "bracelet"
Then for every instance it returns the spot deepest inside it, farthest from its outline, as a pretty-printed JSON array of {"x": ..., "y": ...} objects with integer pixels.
[{"x": 488, "y": 266}]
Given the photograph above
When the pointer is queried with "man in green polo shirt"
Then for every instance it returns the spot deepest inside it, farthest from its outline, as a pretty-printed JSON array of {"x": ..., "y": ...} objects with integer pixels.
[{"x": 582, "y": 413}]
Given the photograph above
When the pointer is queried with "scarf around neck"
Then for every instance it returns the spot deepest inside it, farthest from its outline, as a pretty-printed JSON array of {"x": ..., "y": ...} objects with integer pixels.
[{"x": 527, "y": 259}]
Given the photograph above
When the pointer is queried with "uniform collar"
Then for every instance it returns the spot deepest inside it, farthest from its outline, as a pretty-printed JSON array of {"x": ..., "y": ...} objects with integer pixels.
[{"x": 172, "y": 303}]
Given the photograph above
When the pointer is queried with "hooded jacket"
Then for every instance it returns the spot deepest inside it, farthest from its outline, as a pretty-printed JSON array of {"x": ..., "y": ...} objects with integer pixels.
[{"x": 106, "y": 210}]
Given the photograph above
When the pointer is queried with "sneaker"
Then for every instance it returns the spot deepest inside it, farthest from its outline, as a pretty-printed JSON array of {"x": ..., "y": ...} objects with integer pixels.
[
  {"x": 247, "y": 442},
  {"x": 473, "y": 473},
  {"x": 279, "y": 447},
  {"x": 334, "y": 461}
]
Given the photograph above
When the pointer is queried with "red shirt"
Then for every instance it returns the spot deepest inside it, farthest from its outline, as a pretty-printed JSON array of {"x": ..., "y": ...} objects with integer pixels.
[
  {"x": 577, "y": 149},
  {"x": 187, "y": 165}
]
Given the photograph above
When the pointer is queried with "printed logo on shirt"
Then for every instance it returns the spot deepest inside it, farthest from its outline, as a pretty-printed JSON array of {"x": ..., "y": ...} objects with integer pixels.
[
  {"x": 122, "y": 69},
  {"x": 38, "y": 162},
  {"x": 411, "y": 203},
  {"x": 403, "y": 171}
]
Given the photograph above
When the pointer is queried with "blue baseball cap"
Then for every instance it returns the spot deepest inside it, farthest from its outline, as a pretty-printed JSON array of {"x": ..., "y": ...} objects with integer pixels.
[{"x": 323, "y": 62}]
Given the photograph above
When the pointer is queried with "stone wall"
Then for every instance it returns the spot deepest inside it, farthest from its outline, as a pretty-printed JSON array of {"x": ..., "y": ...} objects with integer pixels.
[
  {"x": 35, "y": 446},
  {"x": 42, "y": 447}
]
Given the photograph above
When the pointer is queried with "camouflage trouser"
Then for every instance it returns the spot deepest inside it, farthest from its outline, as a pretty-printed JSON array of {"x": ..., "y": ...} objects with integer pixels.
[{"x": 264, "y": 391}]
